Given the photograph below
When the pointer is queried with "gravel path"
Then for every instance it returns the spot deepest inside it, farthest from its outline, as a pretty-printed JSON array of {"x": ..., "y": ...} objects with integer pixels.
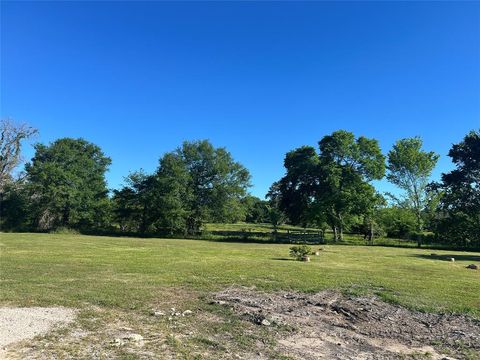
[{"x": 24, "y": 323}]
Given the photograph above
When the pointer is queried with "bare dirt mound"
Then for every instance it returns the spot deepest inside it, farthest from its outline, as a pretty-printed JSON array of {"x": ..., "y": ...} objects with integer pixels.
[
  {"x": 18, "y": 324},
  {"x": 334, "y": 326}
]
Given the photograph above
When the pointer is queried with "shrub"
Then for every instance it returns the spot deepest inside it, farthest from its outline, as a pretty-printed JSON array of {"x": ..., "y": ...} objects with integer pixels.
[
  {"x": 422, "y": 237},
  {"x": 397, "y": 222},
  {"x": 300, "y": 251},
  {"x": 63, "y": 230}
]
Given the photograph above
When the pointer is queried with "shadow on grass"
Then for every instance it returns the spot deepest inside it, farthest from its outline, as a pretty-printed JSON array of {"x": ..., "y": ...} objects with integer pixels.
[
  {"x": 283, "y": 259},
  {"x": 266, "y": 238},
  {"x": 447, "y": 257}
]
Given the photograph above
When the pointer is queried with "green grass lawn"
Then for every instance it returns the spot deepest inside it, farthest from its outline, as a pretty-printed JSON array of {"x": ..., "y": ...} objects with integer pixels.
[{"x": 128, "y": 273}]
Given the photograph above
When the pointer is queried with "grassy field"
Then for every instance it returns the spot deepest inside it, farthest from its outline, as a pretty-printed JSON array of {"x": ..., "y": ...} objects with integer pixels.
[
  {"x": 117, "y": 283},
  {"x": 130, "y": 273}
]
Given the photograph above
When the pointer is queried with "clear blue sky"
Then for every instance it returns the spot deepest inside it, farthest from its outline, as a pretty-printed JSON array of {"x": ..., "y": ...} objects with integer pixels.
[{"x": 138, "y": 78}]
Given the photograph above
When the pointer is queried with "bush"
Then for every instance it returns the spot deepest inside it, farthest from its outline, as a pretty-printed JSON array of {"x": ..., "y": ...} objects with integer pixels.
[
  {"x": 426, "y": 238},
  {"x": 397, "y": 222},
  {"x": 63, "y": 230},
  {"x": 300, "y": 251},
  {"x": 459, "y": 230}
]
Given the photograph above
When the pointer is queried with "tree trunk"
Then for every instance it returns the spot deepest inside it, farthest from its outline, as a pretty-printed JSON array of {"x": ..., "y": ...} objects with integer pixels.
[
  {"x": 194, "y": 224},
  {"x": 340, "y": 227},
  {"x": 370, "y": 233},
  {"x": 335, "y": 236}
]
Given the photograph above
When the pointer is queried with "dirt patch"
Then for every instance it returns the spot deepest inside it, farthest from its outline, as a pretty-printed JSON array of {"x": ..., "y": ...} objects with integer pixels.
[
  {"x": 242, "y": 323},
  {"x": 334, "y": 326},
  {"x": 18, "y": 324}
]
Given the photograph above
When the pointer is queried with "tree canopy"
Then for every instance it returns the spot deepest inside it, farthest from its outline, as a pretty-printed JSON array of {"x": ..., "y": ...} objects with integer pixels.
[
  {"x": 199, "y": 183},
  {"x": 331, "y": 185},
  {"x": 459, "y": 207},
  {"x": 409, "y": 167},
  {"x": 67, "y": 183}
]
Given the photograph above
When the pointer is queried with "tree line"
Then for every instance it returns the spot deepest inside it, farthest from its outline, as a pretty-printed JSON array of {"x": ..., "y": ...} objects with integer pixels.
[{"x": 326, "y": 187}]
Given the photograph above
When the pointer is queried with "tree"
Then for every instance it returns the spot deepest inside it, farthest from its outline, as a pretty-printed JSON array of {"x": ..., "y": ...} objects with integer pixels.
[
  {"x": 14, "y": 207},
  {"x": 347, "y": 165},
  {"x": 333, "y": 185},
  {"x": 459, "y": 206},
  {"x": 295, "y": 191},
  {"x": 256, "y": 210},
  {"x": 371, "y": 215},
  {"x": 143, "y": 187},
  {"x": 276, "y": 215},
  {"x": 11, "y": 137},
  {"x": 13, "y": 198},
  {"x": 409, "y": 167},
  {"x": 398, "y": 222},
  {"x": 199, "y": 183},
  {"x": 125, "y": 209},
  {"x": 174, "y": 194},
  {"x": 134, "y": 204},
  {"x": 67, "y": 186}
]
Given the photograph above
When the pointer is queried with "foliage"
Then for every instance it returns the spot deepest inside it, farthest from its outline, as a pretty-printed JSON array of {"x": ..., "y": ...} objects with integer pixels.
[
  {"x": 409, "y": 167},
  {"x": 369, "y": 228},
  {"x": 396, "y": 221},
  {"x": 14, "y": 207},
  {"x": 174, "y": 196},
  {"x": 256, "y": 210},
  {"x": 199, "y": 183},
  {"x": 332, "y": 186},
  {"x": 193, "y": 184},
  {"x": 300, "y": 251},
  {"x": 133, "y": 205},
  {"x": 295, "y": 191},
  {"x": 125, "y": 209},
  {"x": 459, "y": 206},
  {"x": 62, "y": 230},
  {"x": 276, "y": 215},
  {"x": 14, "y": 201},
  {"x": 348, "y": 164},
  {"x": 66, "y": 182}
]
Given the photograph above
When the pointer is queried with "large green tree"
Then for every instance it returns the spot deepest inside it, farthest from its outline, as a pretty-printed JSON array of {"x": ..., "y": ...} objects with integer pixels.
[
  {"x": 333, "y": 185},
  {"x": 459, "y": 207},
  {"x": 197, "y": 183},
  {"x": 296, "y": 190},
  {"x": 347, "y": 165},
  {"x": 410, "y": 167},
  {"x": 67, "y": 184},
  {"x": 174, "y": 195}
]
